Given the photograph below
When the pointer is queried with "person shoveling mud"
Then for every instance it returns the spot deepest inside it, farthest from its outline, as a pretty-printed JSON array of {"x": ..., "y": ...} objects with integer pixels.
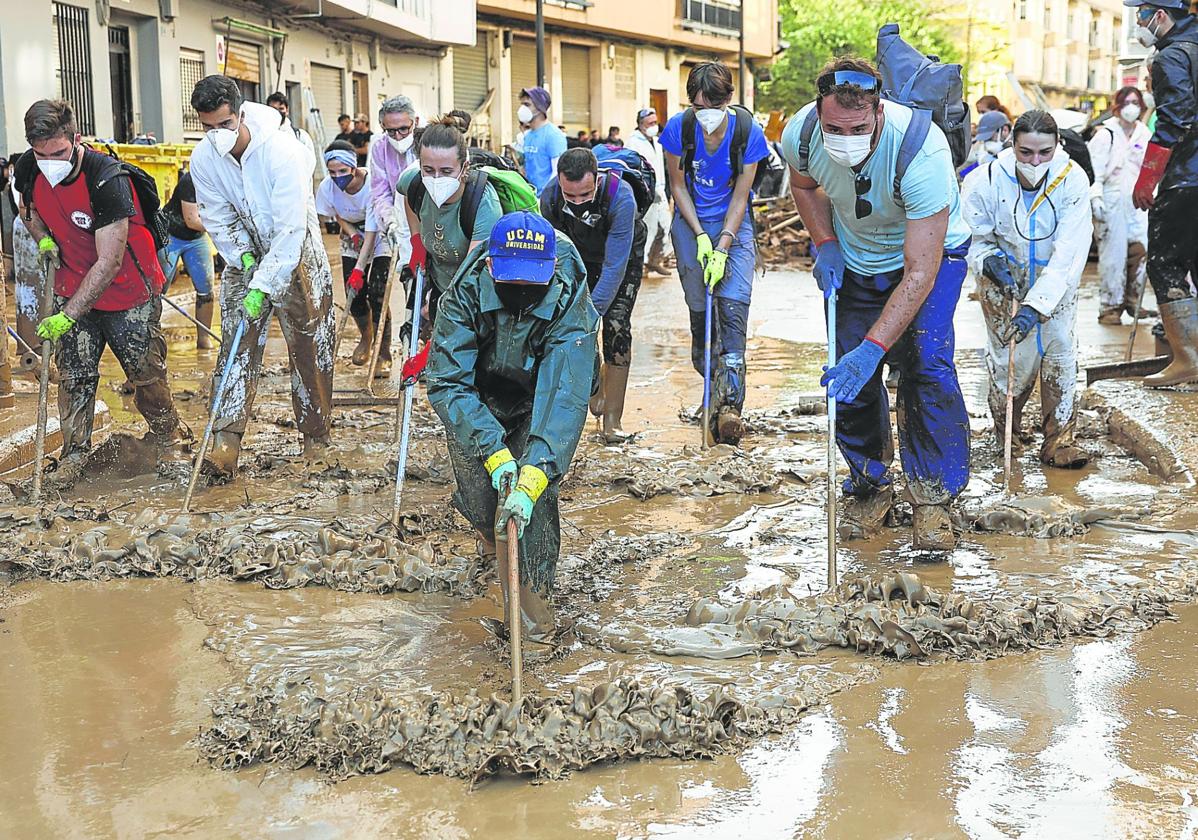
[
  {"x": 513, "y": 364},
  {"x": 93, "y": 233}
]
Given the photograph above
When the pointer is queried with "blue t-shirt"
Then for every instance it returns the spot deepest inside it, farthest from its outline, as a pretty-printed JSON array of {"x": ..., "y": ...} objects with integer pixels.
[
  {"x": 874, "y": 244},
  {"x": 542, "y": 146},
  {"x": 711, "y": 177}
]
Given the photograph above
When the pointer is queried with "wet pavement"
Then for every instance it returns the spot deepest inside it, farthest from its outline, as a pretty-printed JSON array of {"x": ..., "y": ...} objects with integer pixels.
[{"x": 1064, "y": 705}]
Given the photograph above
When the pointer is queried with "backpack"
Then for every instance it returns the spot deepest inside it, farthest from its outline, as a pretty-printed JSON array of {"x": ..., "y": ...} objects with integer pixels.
[
  {"x": 1078, "y": 151},
  {"x": 922, "y": 82},
  {"x": 632, "y": 167},
  {"x": 514, "y": 194},
  {"x": 485, "y": 157},
  {"x": 736, "y": 152}
]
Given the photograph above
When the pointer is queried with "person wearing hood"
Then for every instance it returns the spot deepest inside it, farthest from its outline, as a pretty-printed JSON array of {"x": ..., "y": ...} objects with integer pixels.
[
  {"x": 1030, "y": 214},
  {"x": 253, "y": 182},
  {"x": 891, "y": 245},
  {"x": 1167, "y": 186},
  {"x": 94, "y": 241},
  {"x": 657, "y": 217},
  {"x": 390, "y": 157},
  {"x": 993, "y": 130},
  {"x": 1116, "y": 153},
  {"x": 344, "y": 196},
  {"x": 279, "y": 102},
  {"x": 544, "y": 142},
  {"x": 514, "y": 359}
]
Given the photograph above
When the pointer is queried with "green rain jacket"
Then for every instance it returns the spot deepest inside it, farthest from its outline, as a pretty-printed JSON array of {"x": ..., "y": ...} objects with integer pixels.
[{"x": 488, "y": 368}]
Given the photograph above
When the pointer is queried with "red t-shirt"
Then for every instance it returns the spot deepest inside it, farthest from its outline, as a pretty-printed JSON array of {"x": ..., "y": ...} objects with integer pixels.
[{"x": 73, "y": 213}]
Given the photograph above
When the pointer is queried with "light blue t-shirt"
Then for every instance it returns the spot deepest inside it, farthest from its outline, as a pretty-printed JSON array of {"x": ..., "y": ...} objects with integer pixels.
[
  {"x": 874, "y": 244},
  {"x": 542, "y": 146},
  {"x": 712, "y": 175}
]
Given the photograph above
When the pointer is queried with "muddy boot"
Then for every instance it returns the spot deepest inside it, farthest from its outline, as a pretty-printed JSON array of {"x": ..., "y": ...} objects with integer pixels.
[
  {"x": 316, "y": 449},
  {"x": 1111, "y": 316},
  {"x": 599, "y": 398},
  {"x": 220, "y": 464},
  {"x": 864, "y": 516},
  {"x": 1180, "y": 318},
  {"x": 729, "y": 426},
  {"x": 1067, "y": 457},
  {"x": 66, "y": 471},
  {"x": 615, "y": 386},
  {"x": 382, "y": 368},
  {"x": 174, "y": 446},
  {"x": 933, "y": 529},
  {"x": 204, "y": 309},
  {"x": 1133, "y": 290},
  {"x": 366, "y": 337},
  {"x": 541, "y": 637}
]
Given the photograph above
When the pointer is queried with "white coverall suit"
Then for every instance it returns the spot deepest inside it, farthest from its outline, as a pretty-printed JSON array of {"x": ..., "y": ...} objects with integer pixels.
[
  {"x": 658, "y": 217},
  {"x": 1045, "y": 242},
  {"x": 1123, "y": 232},
  {"x": 264, "y": 206}
]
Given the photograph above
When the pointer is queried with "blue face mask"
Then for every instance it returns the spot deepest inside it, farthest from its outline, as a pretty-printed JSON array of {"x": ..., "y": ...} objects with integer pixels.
[{"x": 342, "y": 181}]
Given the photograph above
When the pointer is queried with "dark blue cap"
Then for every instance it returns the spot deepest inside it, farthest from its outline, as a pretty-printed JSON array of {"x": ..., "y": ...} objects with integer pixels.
[
  {"x": 1160, "y": 4},
  {"x": 523, "y": 246}
]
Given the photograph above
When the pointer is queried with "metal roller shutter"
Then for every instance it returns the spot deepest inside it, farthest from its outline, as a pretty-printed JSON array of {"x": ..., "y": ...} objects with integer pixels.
[
  {"x": 328, "y": 89},
  {"x": 244, "y": 62},
  {"x": 524, "y": 67},
  {"x": 576, "y": 88},
  {"x": 470, "y": 75}
]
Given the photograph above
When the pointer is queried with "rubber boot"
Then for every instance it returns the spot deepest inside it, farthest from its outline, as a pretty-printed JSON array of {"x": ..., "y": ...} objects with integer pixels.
[
  {"x": 204, "y": 308},
  {"x": 863, "y": 516},
  {"x": 933, "y": 529},
  {"x": 599, "y": 398},
  {"x": 1180, "y": 318},
  {"x": 1136, "y": 278},
  {"x": 1111, "y": 316},
  {"x": 316, "y": 449},
  {"x": 382, "y": 368},
  {"x": 615, "y": 386},
  {"x": 729, "y": 426},
  {"x": 174, "y": 446},
  {"x": 220, "y": 464},
  {"x": 366, "y": 338}
]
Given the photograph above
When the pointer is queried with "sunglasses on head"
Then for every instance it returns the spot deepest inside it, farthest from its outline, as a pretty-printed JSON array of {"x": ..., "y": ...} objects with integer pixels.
[{"x": 848, "y": 78}]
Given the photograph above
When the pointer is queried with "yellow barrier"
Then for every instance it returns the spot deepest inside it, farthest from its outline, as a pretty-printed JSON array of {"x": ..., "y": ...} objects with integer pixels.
[{"x": 164, "y": 162}]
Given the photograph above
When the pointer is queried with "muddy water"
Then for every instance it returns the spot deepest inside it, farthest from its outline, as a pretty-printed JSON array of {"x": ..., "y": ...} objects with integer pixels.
[{"x": 112, "y": 680}]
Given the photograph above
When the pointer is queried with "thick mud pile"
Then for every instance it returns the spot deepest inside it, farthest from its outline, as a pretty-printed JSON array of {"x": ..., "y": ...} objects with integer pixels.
[
  {"x": 280, "y": 552},
  {"x": 718, "y": 471}
]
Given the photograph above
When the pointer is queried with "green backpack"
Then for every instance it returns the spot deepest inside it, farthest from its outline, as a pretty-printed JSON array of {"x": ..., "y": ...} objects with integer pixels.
[{"x": 514, "y": 192}]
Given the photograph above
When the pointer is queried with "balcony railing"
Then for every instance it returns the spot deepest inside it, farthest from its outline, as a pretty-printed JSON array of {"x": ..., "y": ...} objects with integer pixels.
[{"x": 709, "y": 16}]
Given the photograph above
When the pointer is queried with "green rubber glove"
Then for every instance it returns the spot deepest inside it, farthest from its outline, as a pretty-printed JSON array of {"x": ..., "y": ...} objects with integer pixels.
[
  {"x": 504, "y": 475},
  {"x": 47, "y": 253},
  {"x": 255, "y": 299},
  {"x": 518, "y": 506},
  {"x": 247, "y": 261},
  {"x": 55, "y": 327},
  {"x": 703, "y": 242},
  {"x": 714, "y": 272}
]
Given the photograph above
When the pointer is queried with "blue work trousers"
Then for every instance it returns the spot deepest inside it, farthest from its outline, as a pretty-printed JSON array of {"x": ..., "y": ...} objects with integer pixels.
[
  {"x": 197, "y": 256},
  {"x": 933, "y": 427}
]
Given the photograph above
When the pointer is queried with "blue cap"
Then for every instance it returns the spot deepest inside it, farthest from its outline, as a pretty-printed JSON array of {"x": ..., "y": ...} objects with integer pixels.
[
  {"x": 523, "y": 246},
  {"x": 1160, "y": 4},
  {"x": 990, "y": 123}
]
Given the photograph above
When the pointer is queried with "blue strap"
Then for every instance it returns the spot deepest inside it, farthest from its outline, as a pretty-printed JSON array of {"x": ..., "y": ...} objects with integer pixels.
[{"x": 913, "y": 140}]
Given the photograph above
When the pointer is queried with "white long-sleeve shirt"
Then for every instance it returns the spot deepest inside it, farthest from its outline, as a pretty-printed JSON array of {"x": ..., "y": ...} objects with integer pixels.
[
  {"x": 1045, "y": 237},
  {"x": 261, "y": 204},
  {"x": 651, "y": 151}
]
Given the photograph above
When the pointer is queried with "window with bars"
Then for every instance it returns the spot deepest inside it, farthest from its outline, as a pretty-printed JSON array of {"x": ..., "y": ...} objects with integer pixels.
[
  {"x": 712, "y": 15},
  {"x": 191, "y": 70},
  {"x": 73, "y": 74}
]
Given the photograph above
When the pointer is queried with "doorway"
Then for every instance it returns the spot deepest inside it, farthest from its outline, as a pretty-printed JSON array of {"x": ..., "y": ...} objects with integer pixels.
[
  {"x": 120, "y": 74},
  {"x": 660, "y": 102},
  {"x": 361, "y": 93}
]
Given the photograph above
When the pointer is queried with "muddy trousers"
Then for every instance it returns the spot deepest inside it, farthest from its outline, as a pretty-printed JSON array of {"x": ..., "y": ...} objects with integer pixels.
[
  {"x": 657, "y": 239},
  {"x": 729, "y": 327},
  {"x": 28, "y": 284},
  {"x": 478, "y": 501},
  {"x": 135, "y": 338},
  {"x": 1121, "y": 240},
  {"x": 376, "y": 285},
  {"x": 1050, "y": 353},
  {"x": 1172, "y": 245},
  {"x": 617, "y": 320},
  {"x": 933, "y": 426},
  {"x": 305, "y": 315}
]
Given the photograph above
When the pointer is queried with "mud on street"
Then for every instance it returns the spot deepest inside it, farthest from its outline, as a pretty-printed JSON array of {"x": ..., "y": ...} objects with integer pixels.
[{"x": 283, "y": 662}]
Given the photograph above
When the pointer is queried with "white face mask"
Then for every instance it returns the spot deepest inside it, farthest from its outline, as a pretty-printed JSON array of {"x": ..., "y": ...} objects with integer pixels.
[
  {"x": 441, "y": 188},
  {"x": 525, "y": 114},
  {"x": 56, "y": 171},
  {"x": 1033, "y": 174},
  {"x": 401, "y": 145},
  {"x": 848, "y": 149},
  {"x": 711, "y": 118},
  {"x": 651, "y": 131},
  {"x": 1130, "y": 112},
  {"x": 223, "y": 139},
  {"x": 993, "y": 146}
]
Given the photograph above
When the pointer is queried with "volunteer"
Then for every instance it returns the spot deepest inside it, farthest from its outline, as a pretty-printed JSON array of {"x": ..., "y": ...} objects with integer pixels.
[
  {"x": 657, "y": 217},
  {"x": 189, "y": 243}
]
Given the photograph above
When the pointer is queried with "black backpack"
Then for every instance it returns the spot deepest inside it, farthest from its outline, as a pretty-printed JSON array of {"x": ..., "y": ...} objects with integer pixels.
[
  {"x": 740, "y": 141},
  {"x": 608, "y": 188},
  {"x": 1078, "y": 151},
  {"x": 485, "y": 157}
]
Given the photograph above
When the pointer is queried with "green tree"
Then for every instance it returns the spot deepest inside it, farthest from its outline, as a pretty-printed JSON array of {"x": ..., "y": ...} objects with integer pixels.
[{"x": 818, "y": 30}]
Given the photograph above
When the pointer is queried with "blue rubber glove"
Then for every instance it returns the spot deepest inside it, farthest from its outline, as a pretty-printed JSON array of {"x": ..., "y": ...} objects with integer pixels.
[
  {"x": 1020, "y": 325},
  {"x": 517, "y": 506},
  {"x": 848, "y": 376},
  {"x": 996, "y": 268},
  {"x": 504, "y": 475},
  {"x": 829, "y": 266}
]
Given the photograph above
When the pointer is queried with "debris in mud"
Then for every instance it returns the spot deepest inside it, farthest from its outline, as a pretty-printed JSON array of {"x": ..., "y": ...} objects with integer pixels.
[
  {"x": 1044, "y": 517},
  {"x": 1136, "y": 437},
  {"x": 717, "y": 471},
  {"x": 281, "y": 552},
  {"x": 370, "y": 730},
  {"x": 595, "y": 573}
]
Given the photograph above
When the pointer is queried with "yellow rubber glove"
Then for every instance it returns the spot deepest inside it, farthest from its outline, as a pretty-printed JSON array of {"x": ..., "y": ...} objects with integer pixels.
[
  {"x": 255, "y": 299},
  {"x": 533, "y": 481},
  {"x": 703, "y": 243},
  {"x": 716, "y": 265},
  {"x": 55, "y": 327},
  {"x": 48, "y": 255},
  {"x": 501, "y": 466}
]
